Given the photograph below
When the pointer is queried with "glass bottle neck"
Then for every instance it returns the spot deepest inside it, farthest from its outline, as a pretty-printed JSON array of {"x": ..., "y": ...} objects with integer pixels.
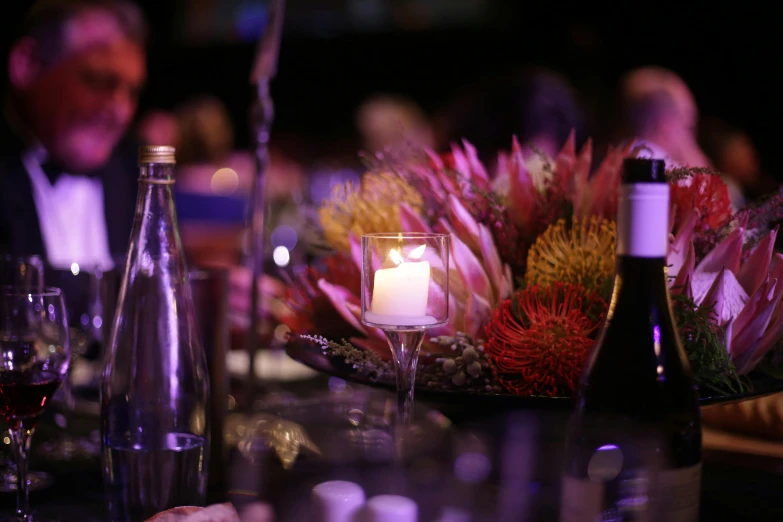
[
  {"x": 156, "y": 173},
  {"x": 155, "y": 232}
]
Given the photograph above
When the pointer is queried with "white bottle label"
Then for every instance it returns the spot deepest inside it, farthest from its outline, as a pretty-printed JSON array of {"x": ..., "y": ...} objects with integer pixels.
[
  {"x": 663, "y": 496},
  {"x": 643, "y": 220}
]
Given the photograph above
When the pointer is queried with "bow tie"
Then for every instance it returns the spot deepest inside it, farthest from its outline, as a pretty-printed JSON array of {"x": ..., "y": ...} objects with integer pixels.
[{"x": 54, "y": 170}]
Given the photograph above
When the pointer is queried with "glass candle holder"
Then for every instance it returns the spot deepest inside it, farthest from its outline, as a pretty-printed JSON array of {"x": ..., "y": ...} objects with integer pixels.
[{"x": 405, "y": 289}]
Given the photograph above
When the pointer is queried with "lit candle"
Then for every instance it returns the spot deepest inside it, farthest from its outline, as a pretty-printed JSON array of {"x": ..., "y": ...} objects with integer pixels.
[{"x": 400, "y": 294}]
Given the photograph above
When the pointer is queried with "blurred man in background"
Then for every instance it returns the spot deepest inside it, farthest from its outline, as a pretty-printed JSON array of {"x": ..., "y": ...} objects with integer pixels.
[
  {"x": 392, "y": 121},
  {"x": 659, "y": 112},
  {"x": 67, "y": 186}
]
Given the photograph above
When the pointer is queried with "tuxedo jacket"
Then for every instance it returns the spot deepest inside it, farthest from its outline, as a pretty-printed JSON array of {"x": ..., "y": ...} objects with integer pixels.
[{"x": 20, "y": 231}]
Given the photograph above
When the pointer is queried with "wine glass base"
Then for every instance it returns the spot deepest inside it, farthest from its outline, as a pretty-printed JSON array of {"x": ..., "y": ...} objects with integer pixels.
[
  {"x": 36, "y": 481},
  {"x": 69, "y": 448}
]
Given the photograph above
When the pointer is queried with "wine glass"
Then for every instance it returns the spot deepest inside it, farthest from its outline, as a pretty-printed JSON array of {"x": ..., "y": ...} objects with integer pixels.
[
  {"x": 34, "y": 358},
  {"x": 84, "y": 305},
  {"x": 27, "y": 273},
  {"x": 405, "y": 291}
]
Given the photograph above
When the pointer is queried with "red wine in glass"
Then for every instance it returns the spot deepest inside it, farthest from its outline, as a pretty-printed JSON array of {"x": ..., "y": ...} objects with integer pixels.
[
  {"x": 24, "y": 394},
  {"x": 34, "y": 358}
]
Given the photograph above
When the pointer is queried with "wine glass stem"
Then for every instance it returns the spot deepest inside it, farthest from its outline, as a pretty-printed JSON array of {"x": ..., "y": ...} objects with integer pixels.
[
  {"x": 20, "y": 441},
  {"x": 405, "y": 346}
]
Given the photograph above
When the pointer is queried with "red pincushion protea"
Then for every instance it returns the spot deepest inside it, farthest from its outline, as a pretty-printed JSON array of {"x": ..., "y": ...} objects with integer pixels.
[
  {"x": 707, "y": 194},
  {"x": 538, "y": 340}
]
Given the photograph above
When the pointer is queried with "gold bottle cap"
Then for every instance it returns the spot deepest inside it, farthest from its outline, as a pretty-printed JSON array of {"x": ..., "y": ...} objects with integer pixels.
[{"x": 157, "y": 154}]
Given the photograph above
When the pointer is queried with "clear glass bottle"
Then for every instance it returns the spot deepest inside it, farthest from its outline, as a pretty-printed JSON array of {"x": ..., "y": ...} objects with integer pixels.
[
  {"x": 155, "y": 385},
  {"x": 633, "y": 450}
]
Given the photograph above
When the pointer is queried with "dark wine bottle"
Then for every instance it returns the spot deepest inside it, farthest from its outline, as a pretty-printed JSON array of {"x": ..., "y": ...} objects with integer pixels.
[{"x": 633, "y": 448}]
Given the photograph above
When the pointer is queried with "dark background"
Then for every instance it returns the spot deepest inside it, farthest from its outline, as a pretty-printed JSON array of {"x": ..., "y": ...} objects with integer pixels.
[{"x": 332, "y": 58}]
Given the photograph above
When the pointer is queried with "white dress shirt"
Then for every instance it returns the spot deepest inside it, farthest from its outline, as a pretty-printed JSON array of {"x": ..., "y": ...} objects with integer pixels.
[{"x": 71, "y": 216}]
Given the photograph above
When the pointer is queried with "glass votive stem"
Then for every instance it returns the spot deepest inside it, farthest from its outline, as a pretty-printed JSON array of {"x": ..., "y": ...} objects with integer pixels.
[{"x": 405, "y": 346}]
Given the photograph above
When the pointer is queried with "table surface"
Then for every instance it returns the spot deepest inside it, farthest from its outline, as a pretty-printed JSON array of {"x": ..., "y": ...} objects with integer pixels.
[{"x": 518, "y": 481}]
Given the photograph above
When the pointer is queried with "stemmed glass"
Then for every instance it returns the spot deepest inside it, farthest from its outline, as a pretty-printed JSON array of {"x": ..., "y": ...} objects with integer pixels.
[
  {"x": 26, "y": 273},
  {"x": 405, "y": 291},
  {"x": 34, "y": 358}
]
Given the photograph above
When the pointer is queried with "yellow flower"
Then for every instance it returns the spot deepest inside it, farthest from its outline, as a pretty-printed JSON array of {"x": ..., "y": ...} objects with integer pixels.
[
  {"x": 582, "y": 254},
  {"x": 373, "y": 206}
]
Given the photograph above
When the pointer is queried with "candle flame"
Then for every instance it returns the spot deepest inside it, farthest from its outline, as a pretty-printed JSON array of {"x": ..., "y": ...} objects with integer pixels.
[
  {"x": 417, "y": 252},
  {"x": 395, "y": 256}
]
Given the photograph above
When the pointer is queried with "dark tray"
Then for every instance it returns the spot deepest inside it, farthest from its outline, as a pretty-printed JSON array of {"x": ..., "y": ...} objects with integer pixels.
[{"x": 313, "y": 356}]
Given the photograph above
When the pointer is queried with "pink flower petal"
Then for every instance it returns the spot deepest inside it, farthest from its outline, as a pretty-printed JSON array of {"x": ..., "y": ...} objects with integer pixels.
[
  {"x": 756, "y": 268},
  {"x": 578, "y": 192},
  {"x": 728, "y": 254},
  {"x": 604, "y": 184},
  {"x": 443, "y": 227},
  {"x": 465, "y": 227},
  {"x": 522, "y": 192},
  {"x": 776, "y": 267},
  {"x": 435, "y": 159},
  {"x": 750, "y": 325},
  {"x": 682, "y": 244},
  {"x": 340, "y": 297},
  {"x": 685, "y": 273},
  {"x": 565, "y": 161},
  {"x": 763, "y": 295},
  {"x": 769, "y": 340},
  {"x": 491, "y": 259},
  {"x": 470, "y": 269},
  {"x": 508, "y": 285},
  {"x": 478, "y": 312},
  {"x": 461, "y": 163},
  {"x": 502, "y": 166},
  {"x": 726, "y": 296},
  {"x": 477, "y": 169},
  {"x": 449, "y": 184},
  {"x": 410, "y": 221},
  {"x": 356, "y": 252}
]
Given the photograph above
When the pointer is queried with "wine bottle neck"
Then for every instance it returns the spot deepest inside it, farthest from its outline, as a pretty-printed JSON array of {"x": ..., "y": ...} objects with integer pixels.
[
  {"x": 646, "y": 270},
  {"x": 643, "y": 220}
]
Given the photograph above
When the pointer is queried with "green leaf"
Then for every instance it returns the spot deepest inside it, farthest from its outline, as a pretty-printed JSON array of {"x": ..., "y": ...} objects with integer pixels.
[{"x": 705, "y": 345}]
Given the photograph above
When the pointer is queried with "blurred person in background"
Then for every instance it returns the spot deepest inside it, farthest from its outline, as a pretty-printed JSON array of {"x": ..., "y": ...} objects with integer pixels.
[
  {"x": 386, "y": 121},
  {"x": 656, "y": 109},
  {"x": 733, "y": 153},
  {"x": 537, "y": 106},
  {"x": 214, "y": 184},
  {"x": 158, "y": 127},
  {"x": 67, "y": 183}
]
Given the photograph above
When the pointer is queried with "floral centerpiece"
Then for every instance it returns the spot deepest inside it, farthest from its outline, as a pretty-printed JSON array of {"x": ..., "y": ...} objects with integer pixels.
[{"x": 533, "y": 262}]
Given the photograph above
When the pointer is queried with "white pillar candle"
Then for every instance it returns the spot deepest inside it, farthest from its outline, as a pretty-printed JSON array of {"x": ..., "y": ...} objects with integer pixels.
[
  {"x": 402, "y": 290},
  {"x": 391, "y": 508},
  {"x": 337, "y": 501}
]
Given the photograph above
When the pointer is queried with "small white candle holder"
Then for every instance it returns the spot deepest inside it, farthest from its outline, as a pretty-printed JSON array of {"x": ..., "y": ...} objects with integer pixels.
[{"x": 405, "y": 289}]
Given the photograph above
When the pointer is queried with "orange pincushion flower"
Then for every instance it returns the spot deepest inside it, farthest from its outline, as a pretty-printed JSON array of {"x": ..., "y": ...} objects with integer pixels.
[{"x": 538, "y": 340}]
